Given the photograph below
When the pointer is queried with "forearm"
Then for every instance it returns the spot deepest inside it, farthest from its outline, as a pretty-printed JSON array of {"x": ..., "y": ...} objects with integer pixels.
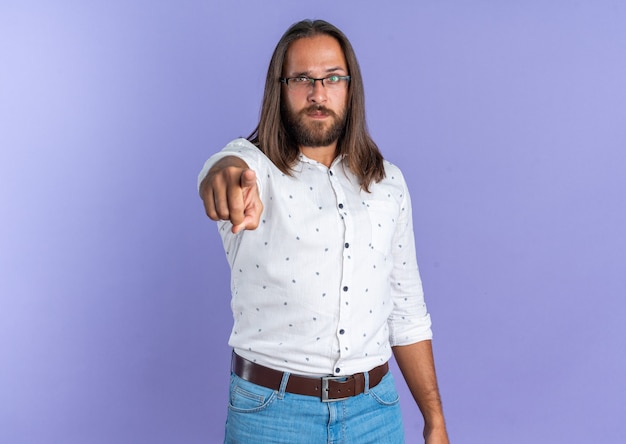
[{"x": 417, "y": 365}]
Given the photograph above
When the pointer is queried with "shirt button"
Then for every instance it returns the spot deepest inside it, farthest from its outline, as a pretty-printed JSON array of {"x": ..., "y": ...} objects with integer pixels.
[
  {"x": 330, "y": 172},
  {"x": 340, "y": 205},
  {"x": 337, "y": 370},
  {"x": 345, "y": 288},
  {"x": 346, "y": 245},
  {"x": 342, "y": 331}
]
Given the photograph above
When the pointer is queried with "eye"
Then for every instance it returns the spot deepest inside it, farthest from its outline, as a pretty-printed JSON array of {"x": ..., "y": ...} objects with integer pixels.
[
  {"x": 301, "y": 79},
  {"x": 332, "y": 79}
]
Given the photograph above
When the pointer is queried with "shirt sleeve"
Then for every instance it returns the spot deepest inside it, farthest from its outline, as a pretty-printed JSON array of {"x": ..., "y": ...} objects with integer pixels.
[{"x": 409, "y": 321}]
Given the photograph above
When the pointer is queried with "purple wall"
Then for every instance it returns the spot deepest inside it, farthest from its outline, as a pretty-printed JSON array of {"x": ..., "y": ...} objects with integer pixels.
[{"x": 508, "y": 121}]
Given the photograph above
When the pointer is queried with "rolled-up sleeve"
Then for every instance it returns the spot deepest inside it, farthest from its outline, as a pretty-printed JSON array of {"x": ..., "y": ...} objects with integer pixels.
[{"x": 409, "y": 321}]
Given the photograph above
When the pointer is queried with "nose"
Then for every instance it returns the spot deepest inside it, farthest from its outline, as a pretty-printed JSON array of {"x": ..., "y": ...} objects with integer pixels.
[{"x": 317, "y": 91}]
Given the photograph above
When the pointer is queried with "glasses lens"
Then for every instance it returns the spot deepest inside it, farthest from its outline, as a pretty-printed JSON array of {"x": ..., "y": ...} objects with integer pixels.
[
  {"x": 299, "y": 83},
  {"x": 333, "y": 82}
]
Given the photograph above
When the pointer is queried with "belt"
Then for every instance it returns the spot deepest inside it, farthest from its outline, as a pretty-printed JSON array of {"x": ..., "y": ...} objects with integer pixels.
[{"x": 327, "y": 388}]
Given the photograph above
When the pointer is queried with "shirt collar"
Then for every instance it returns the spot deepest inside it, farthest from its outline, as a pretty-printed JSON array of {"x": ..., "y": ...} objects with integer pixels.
[{"x": 304, "y": 159}]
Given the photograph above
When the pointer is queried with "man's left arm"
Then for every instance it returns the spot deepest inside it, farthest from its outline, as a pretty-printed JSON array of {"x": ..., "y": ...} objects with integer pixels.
[
  {"x": 409, "y": 323},
  {"x": 417, "y": 365}
]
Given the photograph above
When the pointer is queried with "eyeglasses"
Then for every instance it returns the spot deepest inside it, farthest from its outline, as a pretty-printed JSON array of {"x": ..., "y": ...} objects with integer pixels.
[{"x": 304, "y": 83}]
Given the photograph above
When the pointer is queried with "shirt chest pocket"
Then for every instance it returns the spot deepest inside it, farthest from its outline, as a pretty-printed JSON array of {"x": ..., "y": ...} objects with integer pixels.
[{"x": 383, "y": 216}]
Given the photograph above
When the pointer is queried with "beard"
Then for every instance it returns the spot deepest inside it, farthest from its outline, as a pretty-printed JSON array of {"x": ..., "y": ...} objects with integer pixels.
[{"x": 314, "y": 133}]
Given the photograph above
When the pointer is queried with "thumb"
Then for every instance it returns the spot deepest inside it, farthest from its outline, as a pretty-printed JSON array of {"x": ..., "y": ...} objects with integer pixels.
[{"x": 248, "y": 179}]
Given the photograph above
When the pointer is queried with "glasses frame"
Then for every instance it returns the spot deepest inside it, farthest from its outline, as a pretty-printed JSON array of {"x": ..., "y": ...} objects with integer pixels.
[{"x": 311, "y": 81}]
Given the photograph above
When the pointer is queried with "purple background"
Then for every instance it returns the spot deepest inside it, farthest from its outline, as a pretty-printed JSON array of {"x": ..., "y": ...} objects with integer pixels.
[{"x": 508, "y": 119}]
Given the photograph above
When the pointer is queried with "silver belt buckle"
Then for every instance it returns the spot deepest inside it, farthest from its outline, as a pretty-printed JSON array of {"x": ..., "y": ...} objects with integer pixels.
[{"x": 325, "y": 380}]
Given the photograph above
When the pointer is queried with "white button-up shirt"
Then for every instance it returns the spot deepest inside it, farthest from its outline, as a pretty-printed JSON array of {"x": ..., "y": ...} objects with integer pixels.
[{"x": 328, "y": 282}]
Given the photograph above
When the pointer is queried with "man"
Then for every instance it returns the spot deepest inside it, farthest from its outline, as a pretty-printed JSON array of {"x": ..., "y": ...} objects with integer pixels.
[{"x": 317, "y": 229}]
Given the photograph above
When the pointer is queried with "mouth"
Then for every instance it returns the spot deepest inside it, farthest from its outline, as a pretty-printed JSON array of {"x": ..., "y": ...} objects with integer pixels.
[{"x": 317, "y": 113}]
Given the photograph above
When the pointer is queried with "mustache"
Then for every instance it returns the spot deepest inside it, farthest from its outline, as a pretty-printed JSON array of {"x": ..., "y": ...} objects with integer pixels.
[{"x": 318, "y": 108}]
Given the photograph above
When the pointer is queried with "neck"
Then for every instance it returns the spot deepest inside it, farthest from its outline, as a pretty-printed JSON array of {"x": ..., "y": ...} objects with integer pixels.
[{"x": 322, "y": 154}]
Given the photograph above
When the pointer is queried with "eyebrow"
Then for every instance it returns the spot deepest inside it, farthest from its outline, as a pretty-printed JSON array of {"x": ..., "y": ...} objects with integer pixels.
[
  {"x": 328, "y": 71},
  {"x": 336, "y": 68}
]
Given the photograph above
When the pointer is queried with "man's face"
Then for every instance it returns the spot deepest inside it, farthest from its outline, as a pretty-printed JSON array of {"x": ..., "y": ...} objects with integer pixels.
[{"x": 315, "y": 116}]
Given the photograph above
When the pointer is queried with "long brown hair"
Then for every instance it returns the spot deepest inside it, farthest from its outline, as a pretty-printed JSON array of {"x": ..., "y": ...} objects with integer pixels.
[{"x": 270, "y": 136}]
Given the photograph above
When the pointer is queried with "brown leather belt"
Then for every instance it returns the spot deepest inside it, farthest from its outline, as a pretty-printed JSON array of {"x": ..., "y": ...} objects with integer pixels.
[{"x": 328, "y": 388}]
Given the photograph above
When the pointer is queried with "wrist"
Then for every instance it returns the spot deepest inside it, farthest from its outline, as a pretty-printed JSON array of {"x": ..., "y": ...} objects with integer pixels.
[
  {"x": 434, "y": 420},
  {"x": 436, "y": 434},
  {"x": 432, "y": 426}
]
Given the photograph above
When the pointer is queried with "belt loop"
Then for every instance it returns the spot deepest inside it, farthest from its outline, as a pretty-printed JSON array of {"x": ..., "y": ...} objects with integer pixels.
[
  {"x": 283, "y": 385},
  {"x": 366, "y": 388}
]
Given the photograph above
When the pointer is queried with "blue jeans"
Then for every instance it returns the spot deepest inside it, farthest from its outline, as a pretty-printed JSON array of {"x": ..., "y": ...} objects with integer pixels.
[{"x": 258, "y": 415}]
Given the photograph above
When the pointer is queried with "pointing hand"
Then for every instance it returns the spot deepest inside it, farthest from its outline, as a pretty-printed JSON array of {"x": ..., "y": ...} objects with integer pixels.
[{"x": 230, "y": 192}]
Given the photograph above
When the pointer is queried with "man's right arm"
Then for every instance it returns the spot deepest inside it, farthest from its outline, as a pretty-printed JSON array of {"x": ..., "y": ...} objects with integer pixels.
[{"x": 230, "y": 192}]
